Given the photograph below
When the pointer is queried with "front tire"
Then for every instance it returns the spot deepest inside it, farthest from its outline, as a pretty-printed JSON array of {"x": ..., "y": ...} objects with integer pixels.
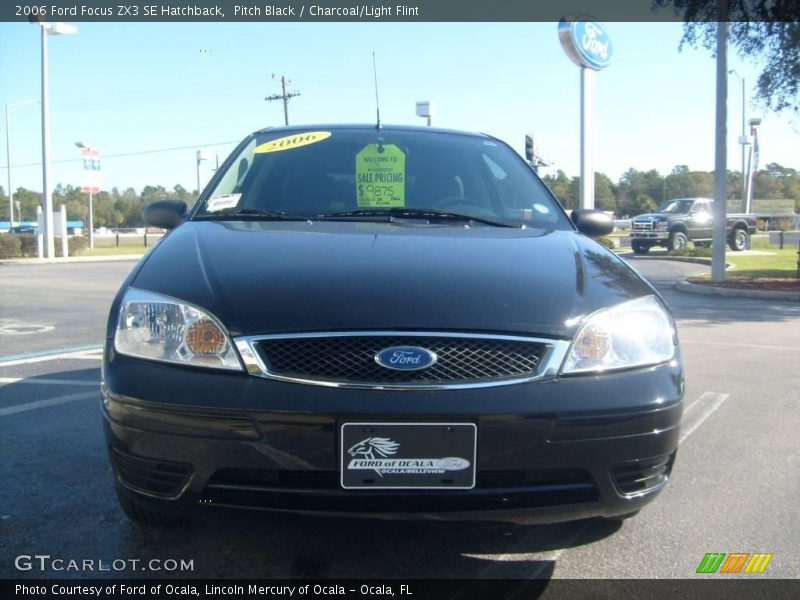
[
  {"x": 640, "y": 247},
  {"x": 678, "y": 240},
  {"x": 739, "y": 240}
]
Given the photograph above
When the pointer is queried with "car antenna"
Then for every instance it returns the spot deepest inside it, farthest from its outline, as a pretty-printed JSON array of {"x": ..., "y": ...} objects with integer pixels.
[{"x": 377, "y": 103}]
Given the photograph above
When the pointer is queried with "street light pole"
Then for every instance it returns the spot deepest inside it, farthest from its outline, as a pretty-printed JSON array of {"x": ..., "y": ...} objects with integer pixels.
[
  {"x": 742, "y": 140},
  {"x": 49, "y": 241},
  {"x": 202, "y": 154},
  {"x": 47, "y": 192},
  {"x": 8, "y": 168}
]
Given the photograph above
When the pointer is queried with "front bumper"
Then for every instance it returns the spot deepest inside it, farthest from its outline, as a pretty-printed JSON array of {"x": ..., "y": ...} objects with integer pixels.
[
  {"x": 649, "y": 235},
  {"x": 184, "y": 439}
]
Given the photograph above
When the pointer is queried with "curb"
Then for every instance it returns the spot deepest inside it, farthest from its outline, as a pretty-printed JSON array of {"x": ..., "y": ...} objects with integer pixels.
[
  {"x": 694, "y": 288},
  {"x": 698, "y": 260},
  {"x": 686, "y": 259},
  {"x": 71, "y": 259}
]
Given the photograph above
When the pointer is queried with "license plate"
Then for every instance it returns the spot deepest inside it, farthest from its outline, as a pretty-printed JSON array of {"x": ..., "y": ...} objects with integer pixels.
[{"x": 408, "y": 456}]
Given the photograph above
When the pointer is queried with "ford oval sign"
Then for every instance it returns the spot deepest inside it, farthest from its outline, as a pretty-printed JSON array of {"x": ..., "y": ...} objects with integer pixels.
[
  {"x": 406, "y": 358},
  {"x": 585, "y": 42}
]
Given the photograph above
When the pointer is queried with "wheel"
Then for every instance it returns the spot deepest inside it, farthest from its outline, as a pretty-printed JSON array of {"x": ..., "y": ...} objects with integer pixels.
[
  {"x": 677, "y": 241},
  {"x": 639, "y": 247},
  {"x": 144, "y": 515},
  {"x": 739, "y": 240}
]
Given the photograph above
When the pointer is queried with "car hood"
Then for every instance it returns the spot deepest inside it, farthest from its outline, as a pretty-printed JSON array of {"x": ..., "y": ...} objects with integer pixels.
[
  {"x": 654, "y": 217},
  {"x": 262, "y": 277}
]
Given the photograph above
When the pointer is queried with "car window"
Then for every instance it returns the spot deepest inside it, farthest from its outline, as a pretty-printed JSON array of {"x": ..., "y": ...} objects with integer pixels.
[
  {"x": 323, "y": 172},
  {"x": 676, "y": 206}
]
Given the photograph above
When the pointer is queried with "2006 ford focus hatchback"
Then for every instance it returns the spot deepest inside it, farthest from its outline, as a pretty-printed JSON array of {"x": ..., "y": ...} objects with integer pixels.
[{"x": 389, "y": 322}]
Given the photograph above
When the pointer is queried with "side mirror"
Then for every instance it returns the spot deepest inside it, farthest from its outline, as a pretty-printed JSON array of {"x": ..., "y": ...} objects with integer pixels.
[
  {"x": 167, "y": 214},
  {"x": 591, "y": 222}
]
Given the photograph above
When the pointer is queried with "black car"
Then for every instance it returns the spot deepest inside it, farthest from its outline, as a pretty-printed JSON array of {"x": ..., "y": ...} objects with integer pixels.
[
  {"x": 24, "y": 229},
  {"x": 387, "y": 321}
]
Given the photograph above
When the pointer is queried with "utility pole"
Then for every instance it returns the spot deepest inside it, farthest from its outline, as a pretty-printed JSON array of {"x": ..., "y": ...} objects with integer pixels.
[{"x": 285, "y": 96}]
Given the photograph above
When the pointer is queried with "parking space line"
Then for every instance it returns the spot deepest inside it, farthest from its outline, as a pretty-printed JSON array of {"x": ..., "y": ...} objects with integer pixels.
[
  {"x": 741, "y": 345},
  {"x": 92, "y": 353},
  {"x": 7, "y": 380},
  {"x": 694, "y": 416},
  {"x": 18, "y": 408},
  {"x": 702, "y": 408}
]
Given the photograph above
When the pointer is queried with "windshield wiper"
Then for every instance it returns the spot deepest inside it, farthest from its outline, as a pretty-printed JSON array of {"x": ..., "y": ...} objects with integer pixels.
[
  {"x": 402, "y": 212},
  {"x": 250, "y": 213}
]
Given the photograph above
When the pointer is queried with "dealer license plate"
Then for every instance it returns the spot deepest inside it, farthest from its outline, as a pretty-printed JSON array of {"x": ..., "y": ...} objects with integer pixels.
[{"x": 408, "y": 456}]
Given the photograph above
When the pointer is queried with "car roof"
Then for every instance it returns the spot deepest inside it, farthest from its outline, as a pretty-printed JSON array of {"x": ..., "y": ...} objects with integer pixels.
[{"x": 367, "y": 127}]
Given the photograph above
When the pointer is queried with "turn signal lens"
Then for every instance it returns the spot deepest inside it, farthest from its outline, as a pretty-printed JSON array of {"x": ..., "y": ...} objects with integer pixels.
[
  {"x": 204, "y": 337},
  {"x": 592, "y": 343}
]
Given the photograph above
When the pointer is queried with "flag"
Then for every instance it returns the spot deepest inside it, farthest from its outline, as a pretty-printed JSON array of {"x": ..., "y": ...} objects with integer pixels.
[{"x": 91, "y": 171}]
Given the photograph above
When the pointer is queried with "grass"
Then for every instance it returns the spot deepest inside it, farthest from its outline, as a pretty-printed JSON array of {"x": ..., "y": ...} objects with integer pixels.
[
  {"x": 778, "y": 265},
  {"x": 114, "y": 251}
]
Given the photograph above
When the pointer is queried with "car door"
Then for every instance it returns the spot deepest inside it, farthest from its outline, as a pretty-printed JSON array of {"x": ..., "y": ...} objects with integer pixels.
[{"x": 700, "y": 221}]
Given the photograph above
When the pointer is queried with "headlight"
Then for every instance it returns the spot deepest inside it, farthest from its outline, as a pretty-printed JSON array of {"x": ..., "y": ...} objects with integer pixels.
[
  {"x": 631, "y": 334},
  {"x": 661, "y": 226},
  {"x": 161, "y": 328}
]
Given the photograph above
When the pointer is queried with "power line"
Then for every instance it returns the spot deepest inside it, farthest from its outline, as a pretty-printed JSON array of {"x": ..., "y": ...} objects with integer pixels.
[
  {"x": 121, "y": 154},
  {"x": 283, "y": 96}
]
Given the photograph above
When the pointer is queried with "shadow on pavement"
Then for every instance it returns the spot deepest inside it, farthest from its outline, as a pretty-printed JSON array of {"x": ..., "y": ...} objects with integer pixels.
[
  {"x": 58, "y": 500},
  {"x": 250, "y": 544}
]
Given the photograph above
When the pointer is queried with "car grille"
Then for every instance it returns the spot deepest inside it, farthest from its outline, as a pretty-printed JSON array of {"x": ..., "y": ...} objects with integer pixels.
[
  {"x": 642, "y": 475},
  {"x": 320, "y": 491},
  {"x": 643, "y": 225},
  {"x": 161, "y": 478},
  {"x": 351, "y": 359}
]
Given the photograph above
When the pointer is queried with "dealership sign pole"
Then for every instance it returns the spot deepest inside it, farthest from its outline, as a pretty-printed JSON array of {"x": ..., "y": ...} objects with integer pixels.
[
  {"x": 91, "y": 181},
  {"x": 587, "y": 44}
]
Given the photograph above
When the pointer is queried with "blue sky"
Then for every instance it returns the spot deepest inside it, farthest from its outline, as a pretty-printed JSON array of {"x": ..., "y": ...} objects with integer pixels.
[{"x": 134, "y": 87}]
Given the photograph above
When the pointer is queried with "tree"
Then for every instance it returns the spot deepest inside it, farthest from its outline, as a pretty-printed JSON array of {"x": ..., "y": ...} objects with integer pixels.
[
  {"x": 634, "y": 184},
  {"x": 28, "y": 201},
  {"x": 604, "y": 192},
  {"x": 3, "y": 205},
  {"x": 764, "y": 31},
  {"x": 683, "y": 183},
  {"x": 645, "y": 204},
  {"x": 559, "y": 185}
]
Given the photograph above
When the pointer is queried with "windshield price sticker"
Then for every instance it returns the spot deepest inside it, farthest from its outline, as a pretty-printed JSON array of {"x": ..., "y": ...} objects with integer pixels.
[
  {"x": 381, "y": 177},
  {"x": 293, "y": 141},
  {"x": 222, "y": 202}
]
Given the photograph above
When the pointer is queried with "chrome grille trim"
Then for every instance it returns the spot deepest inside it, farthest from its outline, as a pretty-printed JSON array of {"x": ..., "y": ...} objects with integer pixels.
[{"x": 549, "y": 364}]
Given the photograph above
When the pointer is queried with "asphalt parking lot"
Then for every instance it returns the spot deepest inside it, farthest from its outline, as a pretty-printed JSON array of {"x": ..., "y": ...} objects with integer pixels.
[{"x": 735, "y": 487}]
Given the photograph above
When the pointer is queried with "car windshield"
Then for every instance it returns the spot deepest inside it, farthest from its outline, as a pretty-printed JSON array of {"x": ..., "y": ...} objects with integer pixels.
[
  {"x": 364, "y": 173},
  {"x": 676, "y": 206}
]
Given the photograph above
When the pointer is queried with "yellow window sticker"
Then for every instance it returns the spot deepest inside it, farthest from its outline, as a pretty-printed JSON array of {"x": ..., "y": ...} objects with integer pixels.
[
  {"x": 381, "y": 176},
  {"x": 293, "y": 141}
]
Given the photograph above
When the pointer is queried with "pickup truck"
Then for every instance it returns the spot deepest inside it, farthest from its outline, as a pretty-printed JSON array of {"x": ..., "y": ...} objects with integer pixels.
[{"x": 678, "y": 222}]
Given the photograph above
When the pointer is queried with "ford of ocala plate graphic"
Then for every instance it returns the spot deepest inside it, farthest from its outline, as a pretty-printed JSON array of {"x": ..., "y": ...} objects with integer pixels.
[{"x": 405, "y": 456}]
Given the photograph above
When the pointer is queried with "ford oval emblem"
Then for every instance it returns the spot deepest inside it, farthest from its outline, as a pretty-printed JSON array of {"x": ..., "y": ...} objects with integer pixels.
[
  {"x": 586, "y": 42},
  {"x": 406, "y": 358}
]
